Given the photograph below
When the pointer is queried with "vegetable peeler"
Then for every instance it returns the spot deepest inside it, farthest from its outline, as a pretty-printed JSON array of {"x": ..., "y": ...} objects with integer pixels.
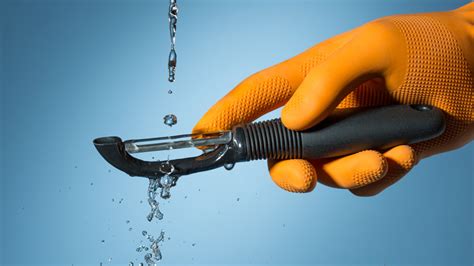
[{"x": 340, "y": 134}]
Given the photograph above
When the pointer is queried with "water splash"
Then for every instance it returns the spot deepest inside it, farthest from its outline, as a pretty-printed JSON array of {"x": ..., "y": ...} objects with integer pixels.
[
  {"x": 155, "y": 247},
  {"x": 155, "y": 253},
  {"x": 154, "y": 205},
  {"x": 165, "y": 183}
]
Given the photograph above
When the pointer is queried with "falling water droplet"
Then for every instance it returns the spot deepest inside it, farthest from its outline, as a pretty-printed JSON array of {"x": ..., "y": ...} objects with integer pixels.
[
  {"x": 130, "y": 229},
  {"x": 156, "y": 251},
  {"x": 229, "y": 166},
  {"x": 165, "y": 193},
  {"x": 148, "y": 259},
  {"x": 142, "y": 248},
  {"x": 161, "y": 237},
  {"x": 170, "y": 120},
  {"x": 172, "y": 65},
  {"x": 127, "y": 221},
  {"x": 238, "y": 199},
  {"x": 166, "y": 182},
  {"x": 170, "y": 92}
]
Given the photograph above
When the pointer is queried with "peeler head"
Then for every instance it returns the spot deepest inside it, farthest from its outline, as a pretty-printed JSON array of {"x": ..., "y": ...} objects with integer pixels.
[{"x": 114, "y": 151}]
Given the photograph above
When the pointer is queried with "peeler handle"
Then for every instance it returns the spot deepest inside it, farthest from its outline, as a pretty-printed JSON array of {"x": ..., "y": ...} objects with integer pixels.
[{"x": 376, "y": 128}]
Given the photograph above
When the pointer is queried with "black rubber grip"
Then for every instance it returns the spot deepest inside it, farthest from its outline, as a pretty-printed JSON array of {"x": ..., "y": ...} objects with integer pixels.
[
  {"x": 377, "y": 128},
  {"x": 271, "y": 140}
]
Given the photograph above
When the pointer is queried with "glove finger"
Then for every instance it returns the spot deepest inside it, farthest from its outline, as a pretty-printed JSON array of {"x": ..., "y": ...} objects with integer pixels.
[
  {"x": 401, "y": 160},
  {"x": 294, "y": 175},
  {"x": 266, "y": 90},
  {"x": 352, "y": 171},
  {"x": 363, "y": 58}
]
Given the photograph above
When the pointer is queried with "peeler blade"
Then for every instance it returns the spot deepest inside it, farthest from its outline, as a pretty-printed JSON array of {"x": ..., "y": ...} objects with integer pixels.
[{"x": 178, "y": 142}]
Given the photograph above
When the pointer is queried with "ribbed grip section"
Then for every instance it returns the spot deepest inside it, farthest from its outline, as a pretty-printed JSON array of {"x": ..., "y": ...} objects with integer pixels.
[{"x": 271, "y": 140}]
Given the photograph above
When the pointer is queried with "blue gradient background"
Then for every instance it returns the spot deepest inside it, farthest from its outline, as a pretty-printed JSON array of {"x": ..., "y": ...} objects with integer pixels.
[{"x": 76, "y": 70}]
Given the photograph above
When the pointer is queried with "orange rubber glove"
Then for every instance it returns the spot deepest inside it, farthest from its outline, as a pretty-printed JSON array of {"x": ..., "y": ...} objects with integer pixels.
[{"x": 409, "y": 59}]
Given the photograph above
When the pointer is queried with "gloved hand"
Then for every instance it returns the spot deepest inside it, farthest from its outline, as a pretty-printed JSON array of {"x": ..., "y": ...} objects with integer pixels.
[{"x": 409, "y": 59}]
